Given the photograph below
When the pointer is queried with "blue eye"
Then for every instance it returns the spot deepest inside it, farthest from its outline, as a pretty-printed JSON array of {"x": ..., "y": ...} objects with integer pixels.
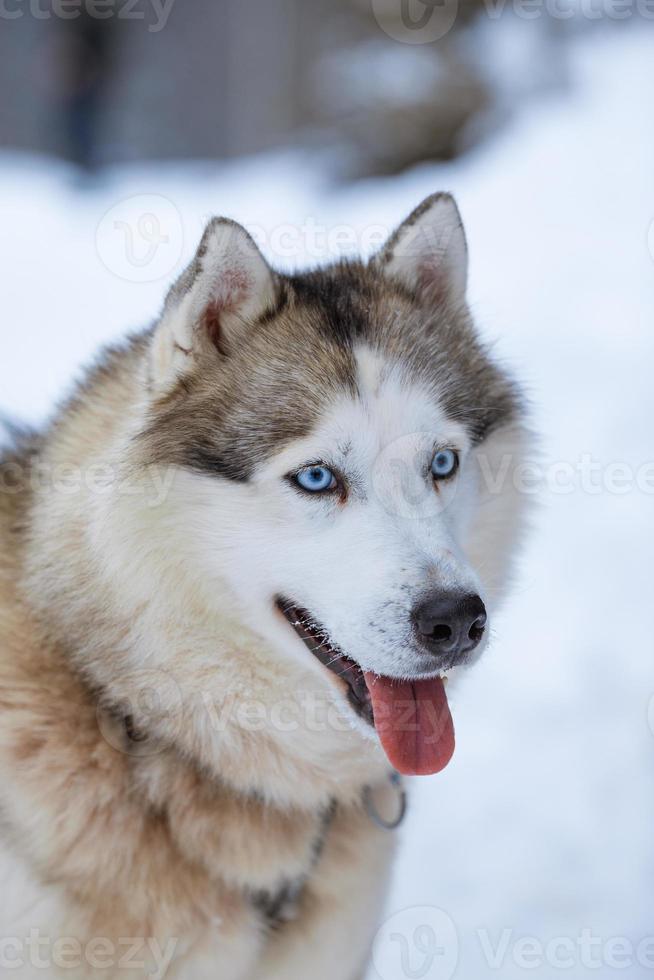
[
  {"x": 315, "y": 479},
  {"x": 444, "y": 464}
]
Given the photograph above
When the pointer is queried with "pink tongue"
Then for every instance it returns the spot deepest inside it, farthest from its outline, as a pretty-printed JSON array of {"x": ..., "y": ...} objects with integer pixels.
[{"x": 414, "y": 723}]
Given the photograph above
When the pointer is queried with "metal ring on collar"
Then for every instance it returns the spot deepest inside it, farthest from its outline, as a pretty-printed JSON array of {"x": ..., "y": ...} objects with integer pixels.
[{"x": 396, "y": 782}]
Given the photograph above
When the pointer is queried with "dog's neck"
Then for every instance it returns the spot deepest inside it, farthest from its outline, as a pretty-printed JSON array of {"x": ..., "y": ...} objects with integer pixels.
[{"x": 151, "y": 644}]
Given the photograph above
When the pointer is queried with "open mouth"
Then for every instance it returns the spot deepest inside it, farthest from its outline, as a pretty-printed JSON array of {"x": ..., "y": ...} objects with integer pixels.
[
  {"x": 412, "y": 717},
  {"x": 315, "y": 637}
]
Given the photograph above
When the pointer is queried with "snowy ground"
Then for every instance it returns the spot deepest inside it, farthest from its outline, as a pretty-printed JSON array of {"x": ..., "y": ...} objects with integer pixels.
[{"x": 542, "y": 826}]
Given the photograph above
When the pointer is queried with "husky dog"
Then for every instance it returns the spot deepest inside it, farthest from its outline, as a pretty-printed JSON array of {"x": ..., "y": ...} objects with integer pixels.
[{"x": 234, "y": 571}]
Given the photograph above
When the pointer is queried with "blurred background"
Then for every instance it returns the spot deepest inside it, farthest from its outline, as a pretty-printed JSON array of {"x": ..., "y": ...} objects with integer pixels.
[
  {"x": 319, "y": 124},
  {"x": 115, "y": 81}
]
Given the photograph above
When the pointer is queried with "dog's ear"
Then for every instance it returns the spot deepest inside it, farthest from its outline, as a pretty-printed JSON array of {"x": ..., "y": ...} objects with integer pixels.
[
  {"x": 428, "y": 252},
  {"x": 227, "y": 286}
]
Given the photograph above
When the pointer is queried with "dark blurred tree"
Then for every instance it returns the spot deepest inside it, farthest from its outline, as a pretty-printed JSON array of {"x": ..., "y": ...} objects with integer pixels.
[{"x": 89, "y": 53}]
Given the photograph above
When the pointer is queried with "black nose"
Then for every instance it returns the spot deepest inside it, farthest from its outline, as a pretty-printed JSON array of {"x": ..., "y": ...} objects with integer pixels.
[{"x": 449, "y": 625}]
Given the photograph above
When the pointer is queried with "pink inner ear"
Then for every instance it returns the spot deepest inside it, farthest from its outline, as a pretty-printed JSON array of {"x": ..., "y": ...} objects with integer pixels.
[
  {"x": 431, "y": 278},
  {"x": 232, "y": 288},
  {"x": 211, "y": 323},
  {"x": 228, "y": 293}
]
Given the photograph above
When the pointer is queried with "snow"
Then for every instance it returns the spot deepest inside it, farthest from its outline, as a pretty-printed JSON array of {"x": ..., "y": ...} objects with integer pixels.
[{"x": 542, "y": 825}]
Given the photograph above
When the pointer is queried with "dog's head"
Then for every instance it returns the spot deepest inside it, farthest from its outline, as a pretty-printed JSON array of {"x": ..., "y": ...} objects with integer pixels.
[{"x": 347, "y": 447}]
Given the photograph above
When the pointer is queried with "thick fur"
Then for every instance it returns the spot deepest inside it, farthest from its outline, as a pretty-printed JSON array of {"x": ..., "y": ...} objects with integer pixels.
[{"x": 176, "y": 768}]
